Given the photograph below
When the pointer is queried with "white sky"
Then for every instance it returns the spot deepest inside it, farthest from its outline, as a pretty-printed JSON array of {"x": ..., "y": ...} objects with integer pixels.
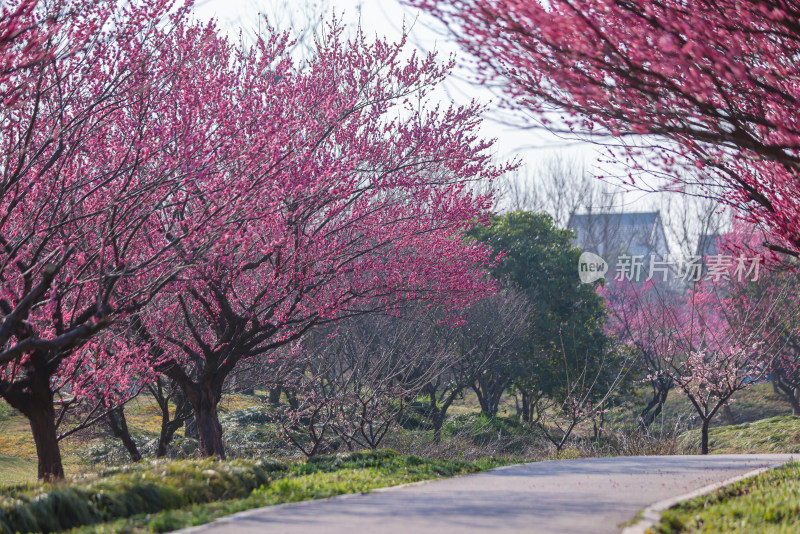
[{"x": 386, "y": 18}]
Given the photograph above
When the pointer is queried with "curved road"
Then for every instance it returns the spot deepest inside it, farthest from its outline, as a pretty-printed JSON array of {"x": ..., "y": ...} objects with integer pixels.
[{"x": 594, "y": 495}]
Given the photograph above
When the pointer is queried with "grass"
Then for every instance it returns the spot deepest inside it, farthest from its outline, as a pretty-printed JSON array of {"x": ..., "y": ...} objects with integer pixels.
[
  {"x": 6, "y": 411},
  {"x": 767, "y": 503},
  {"x": 774, "y": 435},
  {"x": 15, "y": 470},
  {"x": 756, "y": 402},
  {"x": 166, "y": 495}
]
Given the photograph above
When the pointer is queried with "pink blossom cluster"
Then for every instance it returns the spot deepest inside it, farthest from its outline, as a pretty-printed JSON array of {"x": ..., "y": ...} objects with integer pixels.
[{"x": 713, "y": 86}]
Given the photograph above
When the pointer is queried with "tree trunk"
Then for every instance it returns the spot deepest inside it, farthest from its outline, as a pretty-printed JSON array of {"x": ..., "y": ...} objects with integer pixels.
[
  {"x": 788, "y": 392},
  {"x": 439, "y": 413},
  {"x": 291, "y": 398},
  {"x": 168, "y": 429},
  {"x": 119, "y": 427},
  {"x": 490, "y": 392},
  {"x": 704, "y": 436},
  {"x": 34, "y": 399},
  {"x": 43, "y": 425},
  {"x": 526, "y": 406},
  {"x": 794, "y": 399},
  {"x": 204, "y": 402},
  {"x": 275, "y": 396},
  {"x": 482, "y": 400},
  {"x": 438, "y": 422},
  {"x": 796, "y": 402},
  {"x": 653, "y": 409}
]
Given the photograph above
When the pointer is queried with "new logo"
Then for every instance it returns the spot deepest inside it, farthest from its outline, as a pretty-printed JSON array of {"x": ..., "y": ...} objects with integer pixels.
[{"x": 591, "y": 267}]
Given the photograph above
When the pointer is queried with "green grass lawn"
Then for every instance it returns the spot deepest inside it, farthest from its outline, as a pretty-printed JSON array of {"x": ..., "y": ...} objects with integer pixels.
[
  {"x": 14, "y": 470},
  {"x": 768, "y": 503},
  {"x": 777, "y": 434},
  {"x": 160, "y": 496},
  {"x": 756, "y": 402}
]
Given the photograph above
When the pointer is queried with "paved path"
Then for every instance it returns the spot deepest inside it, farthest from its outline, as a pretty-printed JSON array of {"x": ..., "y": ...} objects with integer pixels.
[{"x": 582, "y": 496}]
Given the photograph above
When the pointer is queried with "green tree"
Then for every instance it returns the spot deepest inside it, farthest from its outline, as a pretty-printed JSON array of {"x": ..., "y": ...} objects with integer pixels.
[{"x": 565, "y": 337}]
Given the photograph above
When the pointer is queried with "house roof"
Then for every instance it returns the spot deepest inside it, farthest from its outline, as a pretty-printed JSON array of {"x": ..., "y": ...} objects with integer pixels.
[
  {"x": 707, "y": 244},
  {"x": 604, "y": 232},
  {"x": 646, "y": 218}
]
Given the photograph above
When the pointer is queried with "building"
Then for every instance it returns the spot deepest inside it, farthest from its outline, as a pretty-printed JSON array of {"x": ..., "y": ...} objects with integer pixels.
[{"x": 621, "y": 235}]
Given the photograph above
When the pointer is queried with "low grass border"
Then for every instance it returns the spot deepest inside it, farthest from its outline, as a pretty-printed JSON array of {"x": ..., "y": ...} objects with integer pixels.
[
  {"x": 168, "y": 495},
  {"x": 768, "y": 502}
]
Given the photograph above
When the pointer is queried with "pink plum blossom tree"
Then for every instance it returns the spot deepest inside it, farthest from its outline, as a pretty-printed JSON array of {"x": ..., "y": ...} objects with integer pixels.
[
  {"x": 710, "y": 341},
  {"x": 711, "y": 85},
  {"x": 351, "y": 195},
  {"x": 102, "y": 154}
]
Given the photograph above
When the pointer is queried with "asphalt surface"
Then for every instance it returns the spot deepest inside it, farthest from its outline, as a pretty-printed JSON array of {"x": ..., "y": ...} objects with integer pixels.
[{"x": 593, "y": 495}]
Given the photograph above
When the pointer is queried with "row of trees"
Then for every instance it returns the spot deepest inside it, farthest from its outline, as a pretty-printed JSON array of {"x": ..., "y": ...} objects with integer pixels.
[
  {"x": 347, "y": 384},
  {"x": 701, "y": 95},
  {"x": 174, "y": 204}
]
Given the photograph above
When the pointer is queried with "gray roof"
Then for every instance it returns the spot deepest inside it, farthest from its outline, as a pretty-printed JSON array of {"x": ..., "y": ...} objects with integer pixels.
[
  {"x": 707, "y": 244},
  {"x": 643, "y": 219},
  {"x": 614, "y": 233}
]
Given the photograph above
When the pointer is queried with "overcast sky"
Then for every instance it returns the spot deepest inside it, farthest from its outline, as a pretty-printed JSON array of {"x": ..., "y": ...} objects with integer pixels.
[{"x": 386, "y": 18}]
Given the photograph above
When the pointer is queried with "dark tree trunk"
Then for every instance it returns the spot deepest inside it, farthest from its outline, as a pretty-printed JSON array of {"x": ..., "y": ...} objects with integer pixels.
[
  {"x": 489, "y": 390},
  {"x": 162, "y": 393},
  {"x": 438, "y": 411},
  {"x": 526, "y": 407},
  {"x": 275, "y": 396},
  {"x": 437, "y": 417},
  {"x": 483, "y": 401},
  {"x": 796, "y": 402},
  {"x": 165, "y": 438},
  {"x": 727, "y": 413},
  {"x": 34, "y": 399},
  {"x": 527, "y": 403},
  {"x": 204, "y": 401},
  {"x": 169, "y": 427},
  {"x": 704, "y": 436},
  {"x": 789, "y": 393},
  {"x": 648, "y": 415},
  {"x": 43, "y": 425},
  {"x": 291, "y": 398},
  {"x": 438, "y": 422},
  {"x": 119, "y": 427}
]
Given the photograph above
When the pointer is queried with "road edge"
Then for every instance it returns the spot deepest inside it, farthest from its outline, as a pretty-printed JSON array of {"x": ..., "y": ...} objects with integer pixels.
[
  {"x": 252, "y": 511},
  {"x": 651, "y": 516}
]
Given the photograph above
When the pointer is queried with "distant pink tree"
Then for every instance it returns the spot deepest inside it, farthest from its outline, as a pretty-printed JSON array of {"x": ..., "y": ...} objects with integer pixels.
[
  {"x": 352, "y": 195},
  {"x": 631, "y": 322},
  {"x": 712, "y": 86},
  {"x": 719, "y": 350},
  {"x": 776, "y": 287},
  {"x": 711, "y": 341}
]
